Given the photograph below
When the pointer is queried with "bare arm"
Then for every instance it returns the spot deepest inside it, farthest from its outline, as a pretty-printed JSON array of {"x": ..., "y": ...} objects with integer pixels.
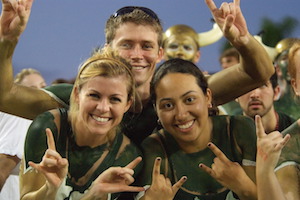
[
  {"x": 16, "y": 99},
  {"x": 268, "y": 151},
  {"x": 255, "y": 67},
  {"x": 7, "y": 164}
]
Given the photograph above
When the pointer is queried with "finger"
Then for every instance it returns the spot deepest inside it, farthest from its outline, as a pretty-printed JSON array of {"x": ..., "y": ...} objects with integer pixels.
[
  {"x": 218, "y": 152},
  {"x": 50, "y": 139},
  {"x": 134, "y": 163},
  {"x": 178, "y": 184},
  {"x": 211, "y": 5},
  {"x": 282, "y": 143},
  {"x": 206, "y": 169},
  {"x": 236, "y": 3},
  {"x": 156, "y": 169},
  {"x": 34, "y": 165},
  {"x": 130, "y": 189},
  {"x": 260, "y": 131}
]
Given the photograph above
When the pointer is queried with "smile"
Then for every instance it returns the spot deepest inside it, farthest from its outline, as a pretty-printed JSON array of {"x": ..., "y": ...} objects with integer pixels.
[
  {"x": 100, "y": 119},
  {"x": 138, "y": 67},
  {"x": 186, "y": 125}
]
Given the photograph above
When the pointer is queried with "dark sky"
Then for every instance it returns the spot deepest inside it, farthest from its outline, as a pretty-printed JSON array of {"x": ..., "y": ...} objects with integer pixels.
[{"x": 62, "y": 33}]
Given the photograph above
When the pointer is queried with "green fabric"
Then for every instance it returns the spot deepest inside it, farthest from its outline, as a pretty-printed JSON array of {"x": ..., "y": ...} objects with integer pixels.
[
  {"x": 228, "y": 132},
  {"x": 81, "y": 158}
]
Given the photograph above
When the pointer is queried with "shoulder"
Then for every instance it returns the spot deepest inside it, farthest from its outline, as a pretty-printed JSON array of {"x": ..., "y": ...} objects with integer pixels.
[
  {"x": 36, "y": 139},
  {"x": 60, "y": 92}
]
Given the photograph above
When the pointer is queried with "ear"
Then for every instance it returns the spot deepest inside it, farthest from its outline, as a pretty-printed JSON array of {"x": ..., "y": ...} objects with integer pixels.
[
  {"x": 294, "y": 86},
  {"x": 129, "y": 104},
  {"x": 160, "y": 54},
  {"x": 76, "y": 94},
  {"x": 197, "y": 57},
  {"x": 276, "y": 93},
  {"x": 209, "y": 96}
]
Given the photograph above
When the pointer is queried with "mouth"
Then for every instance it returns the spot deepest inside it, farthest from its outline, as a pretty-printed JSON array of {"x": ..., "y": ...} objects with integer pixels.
[
  {"x": 255, "y": 104},
  {"x": 138, "y": 67},
  {"x": 185, "y": 126},
  {"x": 101, "y": 119}
]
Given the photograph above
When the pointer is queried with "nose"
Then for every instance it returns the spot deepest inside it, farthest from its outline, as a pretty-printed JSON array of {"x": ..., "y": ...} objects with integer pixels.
[
  {"x": 180, "y": 112},
  {"x": 255, "y": 93},
  {"x": 137, "y": 52},
  {"x": 103, "y": 105}
]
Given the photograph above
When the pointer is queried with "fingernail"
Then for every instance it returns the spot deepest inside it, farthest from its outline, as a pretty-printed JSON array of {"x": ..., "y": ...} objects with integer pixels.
[
  {"x": 158, "y": 159},
  {"x": 209, "y": 144},
  {"x": 185, "y": 178},
  {"x": 200, "y": 165}
]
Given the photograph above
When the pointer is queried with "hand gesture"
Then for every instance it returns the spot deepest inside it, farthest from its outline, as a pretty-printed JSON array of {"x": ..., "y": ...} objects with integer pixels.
[
  {"x": 229, "y": 174},
  {"x": 161, "y": 187},
  {"x": 231, "y": 21},
  {"x": 14, "y": 18},
  {"x": 53, "y": 166},
  {"x": 115, "y": 179},
  {"x": 269, "y": 146}
]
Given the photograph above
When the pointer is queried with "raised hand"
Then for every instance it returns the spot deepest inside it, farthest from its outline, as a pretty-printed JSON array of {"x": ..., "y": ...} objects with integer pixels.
[
  {"x": 14, "y": 18},
  {"x": 161, "y": 187},
  {"x": 113, "y": 180},
  {"x": 231, "y": 21},
  {"x": 269, "y": 146},
  {"x": 53, "y": 166},
  {"x": 226, "y": 172}
]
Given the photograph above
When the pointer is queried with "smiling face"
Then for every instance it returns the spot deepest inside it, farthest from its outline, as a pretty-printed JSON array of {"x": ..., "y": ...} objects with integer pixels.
[
  {"x": 138, "y": 44},
  {"x": 102, "y": 103},
  {"x": 259, "y": 101},
  {"x": 183, "y": 108}
]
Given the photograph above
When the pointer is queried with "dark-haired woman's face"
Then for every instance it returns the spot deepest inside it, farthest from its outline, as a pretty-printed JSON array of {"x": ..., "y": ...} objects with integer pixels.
[{"x": 182, "y": 107}]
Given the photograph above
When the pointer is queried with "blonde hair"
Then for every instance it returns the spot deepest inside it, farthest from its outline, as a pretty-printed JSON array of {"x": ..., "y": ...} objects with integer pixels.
[
  {"x": 23, "y": 73},
  {"x": 105, "y": 63},
  {"x": 292, "y": 65}
]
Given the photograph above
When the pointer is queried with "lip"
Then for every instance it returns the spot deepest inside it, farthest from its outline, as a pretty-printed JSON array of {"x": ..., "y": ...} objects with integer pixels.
[
  {"x": 186, "y": 126},
  {"x": 138, "y": 67},
  {"x": 255, "y": 104},
  {"x": 100, "y": 119}
]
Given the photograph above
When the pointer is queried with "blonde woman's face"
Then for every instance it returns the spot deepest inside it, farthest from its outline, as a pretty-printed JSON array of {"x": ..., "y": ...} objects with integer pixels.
[
  {"x": 34, "y": 80},
  {"x": 102, "y": 103}
]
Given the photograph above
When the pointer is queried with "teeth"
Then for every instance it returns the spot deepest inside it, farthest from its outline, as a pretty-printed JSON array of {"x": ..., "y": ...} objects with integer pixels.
[
  {"x": 187, "y": 125},
  {"x": 138, "y": 68},
  {"x": 100, "y": 119}
]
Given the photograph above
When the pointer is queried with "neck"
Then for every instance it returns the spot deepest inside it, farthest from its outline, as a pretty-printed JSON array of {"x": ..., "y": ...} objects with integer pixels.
[
  {"x": 144, "y": 93},
  {"x": 270, "y": 121}
]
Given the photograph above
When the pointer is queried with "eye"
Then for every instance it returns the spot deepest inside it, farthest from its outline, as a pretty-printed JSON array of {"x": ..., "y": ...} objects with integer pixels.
[
  {"x": 126, "y": 45},
  {"x": 167, "y": 106},
  {"x": 190, "y": 99},
  {"x": 94, "y": 95},
  {"x": 115, "y": 100},
  {"x": 148, "y": 46},
  {"x": 173, "y": 46},
  {"x": 188, "y": 47}
]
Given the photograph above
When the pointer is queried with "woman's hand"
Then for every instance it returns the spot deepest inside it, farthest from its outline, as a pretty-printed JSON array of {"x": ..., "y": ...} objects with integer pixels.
[
  {"x": 161, "y": 187},
  {"x": 114, "y": 180},
  {"x": 53, "y": 166}
]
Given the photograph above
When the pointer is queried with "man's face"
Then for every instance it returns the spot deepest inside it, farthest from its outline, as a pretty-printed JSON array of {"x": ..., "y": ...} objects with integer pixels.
[
  {"x": 184, "y": 47},
  {"x": 138, "y": 44},
  {"x": 258, "y": 101},
  {"x": 228, "y": 61}
]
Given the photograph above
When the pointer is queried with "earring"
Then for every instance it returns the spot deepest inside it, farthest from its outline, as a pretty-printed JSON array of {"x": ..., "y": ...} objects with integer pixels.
[
  {"x": 158, "y": 122},
  {"x": 209, "y": 105}
]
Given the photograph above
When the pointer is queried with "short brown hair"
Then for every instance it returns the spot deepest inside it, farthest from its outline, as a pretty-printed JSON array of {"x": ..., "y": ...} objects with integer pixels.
[{"x": 138, "y": 17}]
